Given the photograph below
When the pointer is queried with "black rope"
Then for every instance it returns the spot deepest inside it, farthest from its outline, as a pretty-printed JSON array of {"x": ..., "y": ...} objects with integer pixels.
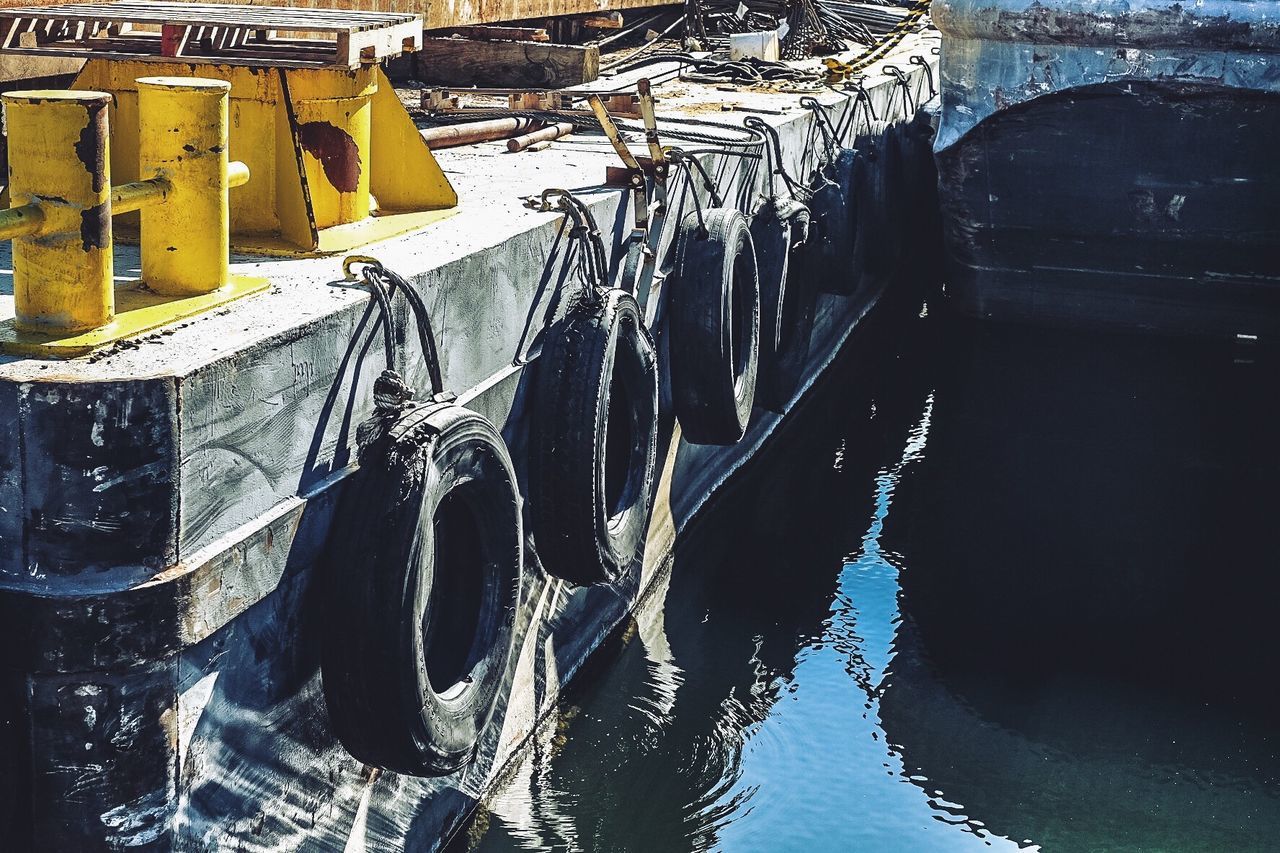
[
  {"x": 828, "y": 130},
  {"x": 904, "y": 83},
  {"x": 917, "y": 59},
  {"x": 682, "y": 158},
  {"x": 390, "y": 390},
  {"x": 768, "y": 131},
  {"x": 592, "y": 260}
]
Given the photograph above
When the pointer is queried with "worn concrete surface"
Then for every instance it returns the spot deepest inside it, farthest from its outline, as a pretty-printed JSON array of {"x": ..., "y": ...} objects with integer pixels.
[{"x": 164, "y": 503}]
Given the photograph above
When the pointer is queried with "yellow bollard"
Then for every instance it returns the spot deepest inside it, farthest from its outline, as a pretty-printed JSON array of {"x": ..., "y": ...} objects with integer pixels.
[
  {"x": 182, "y": 147},
  {"x": 58, "y": 158}
]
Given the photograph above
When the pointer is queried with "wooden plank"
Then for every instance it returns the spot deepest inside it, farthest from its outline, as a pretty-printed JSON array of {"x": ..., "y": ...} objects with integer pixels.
[
  {"x": 611, "y": 21},
  {"x": 435, "y": 15},
  {"x": 499, "y": 33},
  {"x": 277, "y": 17},
  {"x": 463, "y": 62},
  {"x": 173, "y": 39}
]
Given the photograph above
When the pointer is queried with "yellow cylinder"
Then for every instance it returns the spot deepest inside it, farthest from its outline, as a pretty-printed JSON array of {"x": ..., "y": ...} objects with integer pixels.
[
  {"x": 58, "y": 159},
  {"x": 182, "y": 139},
  {"x": 333, "y": 132}
]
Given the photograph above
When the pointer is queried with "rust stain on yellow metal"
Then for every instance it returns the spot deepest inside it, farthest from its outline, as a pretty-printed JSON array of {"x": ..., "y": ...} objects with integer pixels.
[
  {"x": 337, "y": 162},
  {"x": 58, "y": 163}
]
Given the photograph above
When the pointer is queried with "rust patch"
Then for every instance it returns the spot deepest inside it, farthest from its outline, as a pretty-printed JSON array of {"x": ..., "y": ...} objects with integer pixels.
[
  {"x": 337, "y": 152},
  {"x": 91, "y": 148},
  {"x": 95, "y": 226}
]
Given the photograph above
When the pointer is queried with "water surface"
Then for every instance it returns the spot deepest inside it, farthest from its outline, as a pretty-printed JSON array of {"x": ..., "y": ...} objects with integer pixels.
[{"x": 1017, "y": 590}]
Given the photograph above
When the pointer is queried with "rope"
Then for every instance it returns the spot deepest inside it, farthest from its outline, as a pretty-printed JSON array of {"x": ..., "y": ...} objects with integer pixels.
[
  {"x": 917, "y": 59},
  {"x": 391, "y": 394},
  {"x": 904, "y": 83},
  {"x": 689, "y": 163},
  {"x": 593, "y": 265},
  {"x": 829, "y": 135},
  {"x": 878, "y": 51},
  {"x": 796, "y": 189}
]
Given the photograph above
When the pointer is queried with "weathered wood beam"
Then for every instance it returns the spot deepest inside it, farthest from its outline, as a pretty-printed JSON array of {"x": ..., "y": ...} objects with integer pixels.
[
  {"x": 607, "y": 21},
  {"x": 498, "y": 33},
  {"x": 463, "y": 62},
  {"x": 438, "y": 16}
]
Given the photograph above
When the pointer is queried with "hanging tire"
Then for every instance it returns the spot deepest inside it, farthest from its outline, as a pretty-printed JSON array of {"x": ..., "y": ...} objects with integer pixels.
[
  {"x": 714, "y": 320},
  {"x": 923, "y": 212},
  {"x": 920, "y": 173},
  {"x": 834, "y": 218},
  {"x": 421, "y": 580},
  {"x": 878, "y": 241},
  {"x": 593, "y": 441},
  {"x": 787, "y": 302}
]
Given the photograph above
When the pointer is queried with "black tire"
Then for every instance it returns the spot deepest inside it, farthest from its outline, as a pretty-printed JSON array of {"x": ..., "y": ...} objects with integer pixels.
[
  {"x": 787, "y": 302},
  {"x": 714, "y": 320},
  {"x": 594, "y": 441},
  {"x": 923, "y": 212},
  {"x": 834, "y": 218},
  {"x": 877, "y": 242},
  {"x": 422, "y": 581}
]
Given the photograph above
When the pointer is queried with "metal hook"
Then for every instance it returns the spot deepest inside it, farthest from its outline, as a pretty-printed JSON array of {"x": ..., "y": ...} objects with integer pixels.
[{"x": 348, "y": 274}]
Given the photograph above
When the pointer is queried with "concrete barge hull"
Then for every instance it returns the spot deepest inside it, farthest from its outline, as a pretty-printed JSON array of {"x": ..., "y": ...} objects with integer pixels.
[
  {"x": 1107, "y": 165},
  {"x": 167, "y": 502}
]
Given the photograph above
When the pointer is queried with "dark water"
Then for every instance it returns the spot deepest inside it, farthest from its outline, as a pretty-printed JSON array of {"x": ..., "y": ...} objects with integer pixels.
[{"x": 1017, "y": 591}]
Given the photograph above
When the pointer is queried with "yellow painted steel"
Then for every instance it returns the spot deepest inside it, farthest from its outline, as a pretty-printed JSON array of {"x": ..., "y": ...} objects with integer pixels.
[
  {"x": 63, "y": 290},
  {"x": 333, "y": 117},
  {"x": 138, "y": 310},
  {"x": 59, "y": 164},
  {"x": 182, "y": 140},
  {"x": 337, "y": 161},
  {"x": 21, "y": 221}
]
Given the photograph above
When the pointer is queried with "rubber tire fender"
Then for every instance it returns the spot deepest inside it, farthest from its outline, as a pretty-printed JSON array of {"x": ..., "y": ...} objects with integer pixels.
[
  {"x": 787, "y": 300},
  {"x": 593, "y": 441},
  {"x": 835, "y": 213},
  {"x": 714, "y": 323},
  {"x": 878, "y": 241},
  {"x": 431, "y": 518},
  {"x": 833, "y": 225},
  {"x": 923, "y": 214}
]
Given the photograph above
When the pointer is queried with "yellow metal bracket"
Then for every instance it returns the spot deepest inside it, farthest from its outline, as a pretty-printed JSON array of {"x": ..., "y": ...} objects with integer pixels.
[
  {"x": 138, "y": 311},
  {"x": 339, "y": 161}
]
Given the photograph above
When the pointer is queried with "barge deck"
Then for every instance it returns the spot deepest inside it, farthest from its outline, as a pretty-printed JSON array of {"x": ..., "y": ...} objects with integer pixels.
[{"x": 168, "y": 498}]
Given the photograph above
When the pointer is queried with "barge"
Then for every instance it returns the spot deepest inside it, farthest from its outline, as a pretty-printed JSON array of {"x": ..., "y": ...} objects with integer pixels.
[
  {"x": 1106, "y": 164},
  {"x": 257, "y": 592}
]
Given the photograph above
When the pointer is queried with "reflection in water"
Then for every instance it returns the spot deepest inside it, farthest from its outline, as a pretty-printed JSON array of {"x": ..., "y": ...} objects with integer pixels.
[{"x": 1016, "y": 595}]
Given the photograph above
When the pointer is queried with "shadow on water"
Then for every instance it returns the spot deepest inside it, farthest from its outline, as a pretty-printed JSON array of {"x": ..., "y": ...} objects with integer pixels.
[{"x": 1013, "y": 592}]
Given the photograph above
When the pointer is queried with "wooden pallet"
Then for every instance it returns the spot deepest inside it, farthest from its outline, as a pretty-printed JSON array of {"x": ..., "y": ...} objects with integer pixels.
[{"x": 272, "y": 36}]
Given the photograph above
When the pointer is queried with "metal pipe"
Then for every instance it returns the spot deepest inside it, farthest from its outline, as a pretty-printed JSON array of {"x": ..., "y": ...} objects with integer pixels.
[
  {"x": 126, "y": 198},
  {"x": 548, "y": 133},
  {"x": 21, "y": 221},
  {"x": 469, "y": 133}
]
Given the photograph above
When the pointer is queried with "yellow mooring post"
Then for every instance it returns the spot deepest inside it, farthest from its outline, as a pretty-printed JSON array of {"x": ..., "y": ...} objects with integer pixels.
[
  {"x": 60, "y": 221},
  {"x": 182, "y": 143},
  {"x": 66, "y": 304}
]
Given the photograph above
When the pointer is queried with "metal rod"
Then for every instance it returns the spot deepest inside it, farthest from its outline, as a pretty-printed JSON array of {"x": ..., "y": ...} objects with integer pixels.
[
  {"x": 451, "y": 136},
  {"x": 548, "y": 133}
]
